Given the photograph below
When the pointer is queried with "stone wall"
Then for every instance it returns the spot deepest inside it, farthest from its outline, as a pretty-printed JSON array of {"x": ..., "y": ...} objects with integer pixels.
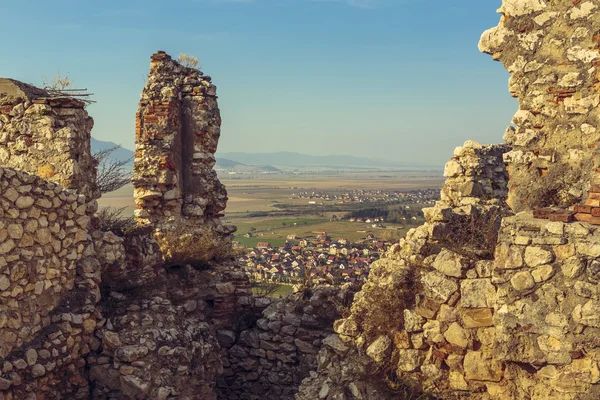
[
  {"x": 47, "y": 136},
  {"x": 429, "y": 299},
  {"x": 547, "y": 313},
  {"x": 552, "y": 51},
  {"x": 48, "y": 283},
  {"x": 85, "y": 313},
  {"x": 502, "y": 313},
  {"x": 159, "y": 337},
  {"x": 270, "y": 360},
  {"x": 177, "y": 131}
]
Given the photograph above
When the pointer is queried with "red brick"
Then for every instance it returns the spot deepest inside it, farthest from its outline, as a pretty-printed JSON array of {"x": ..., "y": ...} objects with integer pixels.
[
  {"x": 543, "y": 213},
  {"x": 594, "y": 220},
  {"x": 594, "y": 196},
  {"x": 582, "y": 208},
  {"x": 583, "y": 217},
  {"x": 562, "y": 216},
  {"x": 595, "y": 188},
  {"x": 592, "y": 202},
  {"x": 596, "y": 212}
]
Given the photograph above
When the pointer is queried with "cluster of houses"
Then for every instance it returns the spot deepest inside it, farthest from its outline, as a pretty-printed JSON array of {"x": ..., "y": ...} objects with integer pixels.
[
  {"x": 371, "y": 196},
  {"x": 324, "y": 259}
]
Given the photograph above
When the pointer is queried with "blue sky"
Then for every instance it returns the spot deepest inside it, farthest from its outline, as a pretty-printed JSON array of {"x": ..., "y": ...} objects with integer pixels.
[{"x": 396, "y": 79}]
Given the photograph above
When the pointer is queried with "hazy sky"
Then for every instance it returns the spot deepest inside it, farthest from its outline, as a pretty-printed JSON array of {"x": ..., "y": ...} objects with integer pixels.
[{"x": 396, "y": 79}]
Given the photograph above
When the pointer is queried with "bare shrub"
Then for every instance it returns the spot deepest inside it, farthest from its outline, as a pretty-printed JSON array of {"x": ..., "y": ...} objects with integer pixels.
[
  {"x": 188, "y": 61},
  {"x": 474, "y": 235},
  {"x": 62, "y": 86},
  {"x": 58, "y": 83},
  {"x": 112, "y": 173},
  {"x": 384, "y": 311},
  {"x": 306, "y": 281},
  {"x": 343, "y": 305},
  {"x": 401, "y": 389},
  {"x": 556, "y": 186},
  {"x": 112, "y": 219}
]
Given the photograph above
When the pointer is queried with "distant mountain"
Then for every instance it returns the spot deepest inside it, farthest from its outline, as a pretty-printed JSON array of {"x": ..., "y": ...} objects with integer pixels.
[
  {"x": 241, "y": 162},
  {"x": 227, "y": 165},
  {"x": 120, "y": 153},
  {"x": 223, "y": 163},
  {"x": 297, "y": 159}
]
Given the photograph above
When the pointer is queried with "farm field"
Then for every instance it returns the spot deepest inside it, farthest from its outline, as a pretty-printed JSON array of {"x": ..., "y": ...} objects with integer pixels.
[
  {"x": 255, "y": 204},
  {"x": 277, "y": 234}
]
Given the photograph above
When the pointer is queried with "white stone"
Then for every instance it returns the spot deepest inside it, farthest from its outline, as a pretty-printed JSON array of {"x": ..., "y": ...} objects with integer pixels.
[
  {"x": 453, "y": 169},
  {"x": 535, "y": 256},
  {"x": 477, "y": 293},
  {"x": 522, "y": 281},
  {"x": 379, "y": 349},
  {"x": 588, "y": 129},
  {"x": 515, "y": 8},
  {"x": 582, "y": 11},
  {"x": 458, "y": 336}
]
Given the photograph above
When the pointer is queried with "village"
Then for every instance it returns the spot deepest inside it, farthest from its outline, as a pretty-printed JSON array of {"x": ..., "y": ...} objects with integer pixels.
[
  {"x": 370, "y": 196},
  {"x": 322, "y": 258}
]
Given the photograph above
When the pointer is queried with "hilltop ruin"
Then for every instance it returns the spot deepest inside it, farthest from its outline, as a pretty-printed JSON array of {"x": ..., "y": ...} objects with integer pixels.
[
  {"x": 519, "y": 322},
  {"x": 494, "y": 297}
]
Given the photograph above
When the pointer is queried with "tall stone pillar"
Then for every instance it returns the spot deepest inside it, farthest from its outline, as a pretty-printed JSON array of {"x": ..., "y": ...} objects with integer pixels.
[{"x": 176, "y": 189}]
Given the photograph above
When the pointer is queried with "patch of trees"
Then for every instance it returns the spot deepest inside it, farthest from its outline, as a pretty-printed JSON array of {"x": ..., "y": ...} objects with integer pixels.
[{"x": 392, "y": 214}]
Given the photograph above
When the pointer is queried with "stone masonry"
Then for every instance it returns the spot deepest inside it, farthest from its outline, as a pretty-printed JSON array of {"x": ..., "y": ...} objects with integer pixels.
[
  {"x": 269, "y": 360},
  {"x": 49, "y": 286},
  {"x": 47, "y": 136},
  {"x": 552, "y": 51},
  {"x": 85, "y": 313},
  {"x": 519, "y": 322},
  {"x": 177, "y": 131}
]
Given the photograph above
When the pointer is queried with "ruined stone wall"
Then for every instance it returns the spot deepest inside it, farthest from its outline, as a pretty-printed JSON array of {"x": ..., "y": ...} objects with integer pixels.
[
  {"x": 47, "y": 136},
  {"x": 552, "y": 51},
  {"x": 425, "y": 315},
  {"x": 495, "y": 314},
  {"x": 48, "y": 283},
  {"x": 49, "y": 275},
  {"x": 87, "y": 314},
  {"x": 161, "y": 337},
  {"x": 270, "y": 360},
  {"x": 546, "y": 309},
  {"x": 177, "y": 131}
]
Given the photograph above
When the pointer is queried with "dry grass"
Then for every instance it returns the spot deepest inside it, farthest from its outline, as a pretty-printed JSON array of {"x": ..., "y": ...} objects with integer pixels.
[
  {"x": 194, "y": 248},
  {"x": 474, "y": 235},
  {"x": 188, "y": 61},
  {"x": 400, "y": 389},
  {"x": 384, "y": 311}
]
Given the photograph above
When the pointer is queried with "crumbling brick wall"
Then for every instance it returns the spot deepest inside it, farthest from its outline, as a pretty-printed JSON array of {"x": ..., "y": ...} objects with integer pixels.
[{"x": 177, "y": 131}]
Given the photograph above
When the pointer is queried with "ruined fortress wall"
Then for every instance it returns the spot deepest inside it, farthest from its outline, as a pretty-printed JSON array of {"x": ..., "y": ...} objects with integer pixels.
[
  {"x": 426, "y": 314},
  {"x": 176, "y": 189},
  {"x": 177, "y": 131},
  {"x": 43, "y": 236},
  {"x": 49, "y": 277},
  {"x": 46, "y": 136},
  {"x": 552, "y": 51},
  {"x": 48, "y": 283},
  {"x": 270, "y": 360},
  {"x": 476, "y": 173}
]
